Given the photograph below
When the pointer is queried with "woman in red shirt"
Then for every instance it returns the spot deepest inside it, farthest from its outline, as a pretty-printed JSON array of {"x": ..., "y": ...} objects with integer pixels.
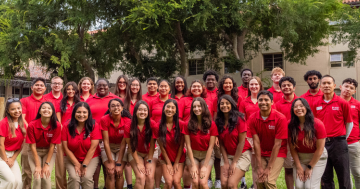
[
  {"x": 43, "y": 134},
  {"x": 133, "y": 95},
  {"x": 156, "y": 106},
  {"x": 235, "y": 150},
  {"x": 139, "y": 137},
  {"x": 113, "y": 155},
  {"x": 307, "y": 145},
  {"x": 67, "y": 103},
  {"x": 121, "y": 86},
  {"x": 12, "y": 134},
  {"x": 80, "y": 140},
  {"x": 86, "y": 88},
  {"x": 200, "y": 135},
  {"x": 227, "y": 85},
  {"x": 178, "y": 88}
]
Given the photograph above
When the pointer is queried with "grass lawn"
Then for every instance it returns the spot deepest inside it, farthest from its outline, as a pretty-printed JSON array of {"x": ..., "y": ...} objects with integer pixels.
[{"x": 280, "y": 183}]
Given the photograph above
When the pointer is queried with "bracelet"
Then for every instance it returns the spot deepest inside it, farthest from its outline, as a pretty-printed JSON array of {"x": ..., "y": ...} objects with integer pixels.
[
  {"x": 118, "y": 164},
  {"x": 47, "y": 163}
]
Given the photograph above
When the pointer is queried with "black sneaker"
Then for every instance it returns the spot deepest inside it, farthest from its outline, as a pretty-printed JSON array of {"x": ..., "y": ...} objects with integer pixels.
[
  {"x": 243, "y": 186},
  {"x": 252, "y": 186}
]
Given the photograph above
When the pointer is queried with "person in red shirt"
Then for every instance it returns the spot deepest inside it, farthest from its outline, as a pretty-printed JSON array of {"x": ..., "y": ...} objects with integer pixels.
[
  {"x": 178, "y": 88},
  {"x": 314, "y": 94},
  {"x": 348, "y": 89},
  {"x": 30, "y": 107},
  {"x": 55, "y": 94},
  {"x": 42, "y": 135},
  {"x": 171, "y": 142},
  {"x": 86, "y": 88},
  {"x": 152, "y": 87},
  {"x": 12, "y": 134},
  {"x": 141, "y": 142},
  {"x": 80, "y": 140},
  {"x": 200, "y": 135},
  {"x": 157, "y": 104},
  {"x": 236, "y": 153},
  {"x": 133, "y": 95},
  {"x": 121, "y": 87},
  {"x": 246, "y": 74},
  {"x": 270, "y": 133},
  {"x": 211, "y": 78},
  {"x": 114, "y": 155},
  {"x": 307, "y": 145},
  {"x": 276, "y": 74},
  {"x": 335, "y": 113}
]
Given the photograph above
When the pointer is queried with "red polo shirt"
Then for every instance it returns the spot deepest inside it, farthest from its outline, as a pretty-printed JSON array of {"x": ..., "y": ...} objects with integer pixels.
[
  {"x": 148, "y": 98},
  {"x": 243, "y": 92},
  {"x": 355, "y": 113},
  {"x": 80, "y": 146},
  {"x": 334, "y": 115},
  {"x": 320, "y": 133},
  {"x": 116, "y": 134},
  {"x": 211, "y": 95},
  {"x": 276, "y": 95},
  {"x": 215, "y": 105},
  {"x": 200, "y": 141},
  {"x": 11, "y": 144},
  {"x": 99, "y": 106},
  {"x": 82, "y": 98},
  {"x": 141, "y": 146},
  {"x": 172, "y": 147},
  {"x": 231, "y": 140},
  {"x": 132, "y": 106},
  {"x": 247, "y": 107},
  {"x": 274, "y": 127},
  {"x": 184, "y": 108},
  {"x": 66, "y": 116},
  {"x": 156, "y": 107},
  {"x": 56, "y": 101},
  {"x": 30, "y": 107},
  {"x": 178, "y": 99},
  {"x": 311, "y": 99},
  {"x": 283, "y": 106},
  {"x": 43, "y": 137}
]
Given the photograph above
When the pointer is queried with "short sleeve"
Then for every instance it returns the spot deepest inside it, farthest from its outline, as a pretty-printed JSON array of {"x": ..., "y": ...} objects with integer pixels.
[
  {"x": 240, "y": 99},
  {"x": 30, "y": 138},
  {"x": 127, "y": 131},
  {"x": 64, "y": 133},
  {"x": 23, "y": 107},
  {"x": 251, "y": 125},
  {"x": 215, "y": 103},
  {"x": 103, "y": 124},
  {"x": 182, "y": 125},
  {"x": 213, "y": 129},
  {"x": 185, "y": 130},
  {"x": 281, "y": 131},
  {"x": 320, "y": 129},
  {"x": 241, "y": 126},
  {"x": 56, "y": 139},
  {"x": 155, "y": 130},
  {"x": 347, "y": 112},
  {"x": 242, "y": 107},
  {"x": 96, "y": 133},
  {"x": 4, "y": 129}
]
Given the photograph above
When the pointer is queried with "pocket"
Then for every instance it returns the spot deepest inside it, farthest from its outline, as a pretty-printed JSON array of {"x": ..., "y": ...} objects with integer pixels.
[{"x": 324, "y": 155}]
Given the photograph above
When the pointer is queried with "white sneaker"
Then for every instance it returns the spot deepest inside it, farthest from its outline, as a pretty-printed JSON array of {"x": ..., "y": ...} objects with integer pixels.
[
  {"x": 125, "y": 184},
  {"x": 210, "y": 183},
  {"x": 217, "y": 184},
  {"x": 163, "y": 180}
]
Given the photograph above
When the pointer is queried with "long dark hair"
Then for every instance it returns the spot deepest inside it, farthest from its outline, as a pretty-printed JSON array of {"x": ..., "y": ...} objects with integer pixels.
[
  {"x": 163, "y": 127},
  {"x": 234, "y": 91},
  {"x": 128, "y": 93},
  {"x": 10, "y": 121},
  {"x": 89, "y": 123},
  {"x": 309, "y": 129},
  {"x": 234, "y": 115},
  {"x": 124, "y": 113},
  {"x": 63, "y": 101},
  {"x": 173, "y": 88},
  {"x": 205, "y": 117},
  {"x": 117, "y": 90},
  {"x": 134, "y": 130},
  {"x": 53, "y": 118}
]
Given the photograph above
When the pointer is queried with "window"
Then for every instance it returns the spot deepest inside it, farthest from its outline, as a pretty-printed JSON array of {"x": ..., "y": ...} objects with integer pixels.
[
  {"x": 2, "y": 91},
  {"x": 16, "y": 92},
  {"x": 196, "y": 67},
  {"x": 337, "y": 60},
  {"x": 273, "y": 60}
]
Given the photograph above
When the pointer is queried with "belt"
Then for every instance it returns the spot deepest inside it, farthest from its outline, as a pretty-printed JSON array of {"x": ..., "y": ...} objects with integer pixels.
[{"x": 329, "y": 139}]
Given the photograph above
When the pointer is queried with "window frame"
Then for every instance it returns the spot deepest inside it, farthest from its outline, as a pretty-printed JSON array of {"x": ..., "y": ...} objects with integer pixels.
[
  {"x": 198, "y": 68},
  {"x": 342, "y": 62},
  {"x": 273, "y": 60}
]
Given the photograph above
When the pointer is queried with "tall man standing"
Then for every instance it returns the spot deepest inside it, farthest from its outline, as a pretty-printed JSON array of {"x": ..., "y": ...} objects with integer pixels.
[
  {"x": 314, "y": 94},
  {"x": 152, "y": 87},
  {"x": 246, "y": 74},
  {"x": 276, "y": 74},
  {"x": 335, "y": 113}
]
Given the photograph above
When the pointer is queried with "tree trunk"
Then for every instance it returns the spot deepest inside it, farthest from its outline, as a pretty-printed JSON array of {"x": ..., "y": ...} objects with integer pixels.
[
  {"x": 181, "y": 46},
  {"x": 240, "y": 45}
]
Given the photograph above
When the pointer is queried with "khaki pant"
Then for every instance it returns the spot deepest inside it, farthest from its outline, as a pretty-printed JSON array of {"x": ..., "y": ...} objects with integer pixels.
[
  {"x": 274, "y": 172},
  {"x": 10, "y": 178},
  {"x": 85, "y": 182},
  {"x": 289, "y": 161},
  {"x": 60, "y": 171},
  {"x": 217, "y": 152},
  {"x": 354, "y": 157},
  {"x": 114, "y": 148},
  {"x": 25, "y": 167},
  {"x": 317, "y": 172},
  {"x": 41, "y": 183},
  {"x": 199, "y": 157},
  {"x": 243, "y": 162}
]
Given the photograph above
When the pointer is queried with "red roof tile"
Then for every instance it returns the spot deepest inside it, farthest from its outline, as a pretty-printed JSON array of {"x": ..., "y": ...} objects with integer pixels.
[{"x": 351, "y": 1}]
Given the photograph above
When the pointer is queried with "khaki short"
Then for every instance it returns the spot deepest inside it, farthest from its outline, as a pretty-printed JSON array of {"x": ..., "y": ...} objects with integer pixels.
[
  {"x": 199, "y": 157},
  {"x": 243, "y": 162},
  {"x": 142, "y": 155},
  {"x": 164, "y": 162},
  {"x": 217, "y": 152},
  {"x": 114, "y": 148},
  {"x": 289, "y": 161}
]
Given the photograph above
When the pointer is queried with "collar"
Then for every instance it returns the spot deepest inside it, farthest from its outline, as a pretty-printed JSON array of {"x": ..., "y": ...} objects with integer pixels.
[
  {"x": 172, "y": 127},
  {"x": 110, "y": 95},
  {"x": 175, "y": 97},
  {"x": 248, "y": 100},
  {"x": 82, "y": 98},
  {"x": 334, "y": 99},
  {"x": 283, "y": 101},
  {"x": 319, "y": 93},
  {"x": 77, "y": 132},
  {"x": 213, "y": 91},
  {"x": 157, "y": 94},
  {"x": 272, "y": 89},
  {"x": 50, "y": 94},
  {"x": 38, "y": 125},
  {"x": 243, "y": 88},
  {"x": 353, "y": 100},
  {"x": 270, "y": 117},
  {"x": 33, "y": 97},
  {"x": 122, "y": 121}
]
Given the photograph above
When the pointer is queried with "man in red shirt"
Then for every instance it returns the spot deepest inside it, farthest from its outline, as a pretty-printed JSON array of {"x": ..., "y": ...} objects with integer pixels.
[
  {"x": 152, "y": 86},
  {"x": 335, "y": 113},
  {"x": 30, "y": 107},
  {"x": 55, "y": 94},
  {"x": 276, "y": 74},
  {"x": 270, "y": 132},
  {"x": 348, "y": 89},
  {"x": 245, "y": 74},
  {"x": 211, "y": 78},
  {"x": 312, "y": 78}
]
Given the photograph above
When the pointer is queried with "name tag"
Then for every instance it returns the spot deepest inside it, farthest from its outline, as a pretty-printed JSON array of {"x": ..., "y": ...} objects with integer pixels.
[
  {"x": 335, "y": 108},
  {"x": 272, "y": 127},
  {"x": 319, "y": 108},
  {"x": 352, "y": 106},
  {"x": 49, "y": 135}
]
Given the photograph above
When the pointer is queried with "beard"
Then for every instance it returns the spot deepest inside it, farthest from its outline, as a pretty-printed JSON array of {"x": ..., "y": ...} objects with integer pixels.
[{"x": 312, "y": 86}]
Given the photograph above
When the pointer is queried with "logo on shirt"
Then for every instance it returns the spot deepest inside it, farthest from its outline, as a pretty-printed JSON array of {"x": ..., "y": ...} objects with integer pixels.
[
  {"x": 121, "y": 132},
  {"x": 319, "y": 108},
  {"x": 272, "y": 127},
  {"x": 353, "y": 106},
  {"x": 335, "y": 108},
  {"x": 49, "y": 135},
  {"x": 87, "y": 136}
]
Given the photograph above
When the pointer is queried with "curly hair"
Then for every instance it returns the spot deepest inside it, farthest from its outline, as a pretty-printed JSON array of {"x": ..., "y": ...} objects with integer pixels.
[
  {"x": 124, "y": 112},
  {"x": 312, "y": 72},
  {"x": 210, "y": 72},
  {"x": 234, "y": 91},
  {"x": 234, "y": 115},
  {"x": 289, "y": 79},
  {"x": 203, "y": 94},
  {"x": 351, "y": 81},
  {"x": 205, "y": 117}
]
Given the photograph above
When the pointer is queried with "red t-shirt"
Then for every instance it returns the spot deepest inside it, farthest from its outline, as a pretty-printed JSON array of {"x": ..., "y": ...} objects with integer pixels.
[
  {"x": 274, "y": 127},
  {"x": 243, "y": 92},
  {"x": 172, "y": 147},
  {"x": 231, "y": 140},
  {"x": 116, "y": 134},
  {"x": 56, "y": 101},
  {"x": 311, "y": 99},
  {"x": 99, "y": 106},
  {"x": 148, "y": 98},
  {"x": 43, "y": 137},
  {"x": 80, "y": 146},
  {"x": 320, "y": 133},
  {"x": 11, "y": 144},
  {"x": 156, "y": 107},
  {"x": 277, "y": 95},
  {"x": 82, "y": 98},
  {"x": 30, "y": 107},
  {"x": 200, "y": 141},
  {"x": 355, "y": 113},
  {"x": 334, "y": 115},
  {"x": 66, "y": 116},
  {"x": 283, "y": 106},
  {"x": 141, "y": 145}
]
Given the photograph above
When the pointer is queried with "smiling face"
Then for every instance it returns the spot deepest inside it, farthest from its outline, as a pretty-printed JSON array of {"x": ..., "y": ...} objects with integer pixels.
[
  {"x": 135, "y": 87},
  {"x": 81, "y": 114},
  {"x": 327, "y": 85},
  {"x": 196, "y": 89},
  {"x": 46, "y": 110},
  {"x": 15, "y": 110},
  {"x": 228, "y": 85},
  {"x": 38, "y": 88},
  {"x": 245, "y": 77},
  {"x": 197, "y": 108},
  {"x": 287, "y": 88},
  {"x": 122, "y": 84},
  {"x": 70, "y": 91},
  {"x": 264, "y": 102},
  {"x": 254, "y": 86},
  {"x": 142, "y": 112},
  {"x": 210, "y": 81},
  {"x": 347, "y": 89},
  {"x": 313, "y": 81},
  {"x": 152, "y": 86},
  {"x": 86, "y": 86},
  {"x": 170, "y": 109},
  {"x": 179, "y": 84},
  {"x": 102, "y": 88},
  {"x": 225, "y": 106},
  {"x": 57, "y": 84},
  {"x": 164, "y": 88},
  {"x": 115, "y": 108},
  {"x": 299, "y": 109},
  {"x": 276, "y": 77}
]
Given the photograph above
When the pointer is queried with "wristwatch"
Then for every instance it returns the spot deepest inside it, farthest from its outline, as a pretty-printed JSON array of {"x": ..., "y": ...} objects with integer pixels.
[
  {"x": 149, "y": 160},
  {"x": 118, "y": 164},
  {"x": 309, "y": 166},
  {"x": 83, "y": 165},
  {"x": 47, "y": 163}
]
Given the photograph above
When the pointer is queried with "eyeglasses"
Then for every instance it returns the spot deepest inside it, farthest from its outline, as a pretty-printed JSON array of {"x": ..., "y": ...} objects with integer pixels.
[
  {"x": 135, "y": 85},
  {"x": 56, "y": 84},
  {"x": 13, "y": 100},
  {"x": 122, "y": 83}
]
